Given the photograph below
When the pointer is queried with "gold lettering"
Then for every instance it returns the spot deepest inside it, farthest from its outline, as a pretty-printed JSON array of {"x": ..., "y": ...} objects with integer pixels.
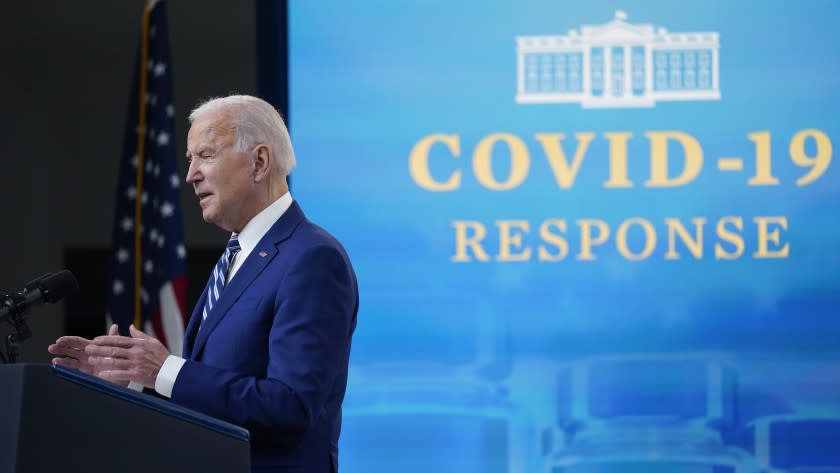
[
  {"x": 463, "y": 240},
  {"x": 520, "y": 161},
  {"x": 418, "y": 163},
  {"x": 618, "y": 160},
  {"x": 621, "y": 239},
  {"x": 509, "y": 241},
  {"x": 693, "y": 158},
  {"x": 695, "y": 246},
  {"x": 766, "y": 235},
  {"x": 587, "y": 241},
  {"x": 729, "y": 236},
  {"x": 554, "y": 239},
  {"x": 564, "y": 173}
]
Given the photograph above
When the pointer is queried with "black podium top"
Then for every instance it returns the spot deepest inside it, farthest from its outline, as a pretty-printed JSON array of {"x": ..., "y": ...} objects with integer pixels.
[
  {"x": 58, "y": 419},
  {"x": 151, "y": 402}
]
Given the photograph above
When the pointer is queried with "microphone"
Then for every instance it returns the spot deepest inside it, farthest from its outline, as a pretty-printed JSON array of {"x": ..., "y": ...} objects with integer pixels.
[{"x": 49, "y": 288}]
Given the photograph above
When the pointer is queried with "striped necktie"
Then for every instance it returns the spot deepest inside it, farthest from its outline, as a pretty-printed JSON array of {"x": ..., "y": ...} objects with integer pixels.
[{"x": 219, "y": 276}]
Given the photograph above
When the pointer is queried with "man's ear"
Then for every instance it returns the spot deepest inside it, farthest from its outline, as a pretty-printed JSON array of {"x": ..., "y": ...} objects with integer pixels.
[{"x": 262, "y": 161}]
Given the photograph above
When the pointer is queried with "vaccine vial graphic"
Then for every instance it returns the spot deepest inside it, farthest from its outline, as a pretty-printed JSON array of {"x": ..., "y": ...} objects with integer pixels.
[
  {"x": 647, "y": 414},
  {"x": 414, "y": 418},
  {"x": 795, "y": 443}
]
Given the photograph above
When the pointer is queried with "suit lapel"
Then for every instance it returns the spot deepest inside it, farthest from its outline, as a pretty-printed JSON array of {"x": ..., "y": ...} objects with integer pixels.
[{"x": 259, "y": 258}]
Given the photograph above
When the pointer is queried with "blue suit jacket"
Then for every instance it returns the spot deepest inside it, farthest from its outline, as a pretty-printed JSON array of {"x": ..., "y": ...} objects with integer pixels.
[{"x": 272, "y": 356}]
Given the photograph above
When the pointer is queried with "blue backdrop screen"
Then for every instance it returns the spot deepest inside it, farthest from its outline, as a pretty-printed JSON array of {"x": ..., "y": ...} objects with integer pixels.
[{"x": 588, "y": 238}]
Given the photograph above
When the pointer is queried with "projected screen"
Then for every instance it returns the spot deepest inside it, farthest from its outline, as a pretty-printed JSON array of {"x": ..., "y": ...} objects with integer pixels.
[{"x": 576, "y": 222}]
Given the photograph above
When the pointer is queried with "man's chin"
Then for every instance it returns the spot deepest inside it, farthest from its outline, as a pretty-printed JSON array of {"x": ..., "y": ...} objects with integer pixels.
[{"x": 209, "y": 217}]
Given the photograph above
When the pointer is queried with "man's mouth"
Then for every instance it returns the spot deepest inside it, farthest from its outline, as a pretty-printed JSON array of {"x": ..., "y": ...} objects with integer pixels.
[{"x": 203, "y": 195}]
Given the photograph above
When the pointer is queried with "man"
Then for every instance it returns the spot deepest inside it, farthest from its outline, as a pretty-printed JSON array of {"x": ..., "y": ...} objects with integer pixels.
[{"x": 268, "y": 342}]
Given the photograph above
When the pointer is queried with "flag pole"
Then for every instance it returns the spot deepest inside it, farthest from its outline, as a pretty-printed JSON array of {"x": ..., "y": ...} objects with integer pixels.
[{"x": 141, "y": 141}]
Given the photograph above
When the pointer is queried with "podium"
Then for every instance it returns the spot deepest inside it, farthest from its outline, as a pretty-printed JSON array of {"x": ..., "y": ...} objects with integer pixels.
[{"x": 57, "y": 419}]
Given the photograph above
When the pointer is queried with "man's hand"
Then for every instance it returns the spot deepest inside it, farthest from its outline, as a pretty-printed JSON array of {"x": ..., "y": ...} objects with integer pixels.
[
  {"x": 70, "y": 352},
  {"x": 122, "y": 359}
]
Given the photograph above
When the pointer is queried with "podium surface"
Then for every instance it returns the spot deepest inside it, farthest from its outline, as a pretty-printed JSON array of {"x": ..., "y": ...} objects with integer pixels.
[{"x": 57, "y": 419}]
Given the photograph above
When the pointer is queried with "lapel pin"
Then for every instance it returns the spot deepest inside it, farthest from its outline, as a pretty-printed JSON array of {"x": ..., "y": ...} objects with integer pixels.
[{"x": 263, "y": 254}]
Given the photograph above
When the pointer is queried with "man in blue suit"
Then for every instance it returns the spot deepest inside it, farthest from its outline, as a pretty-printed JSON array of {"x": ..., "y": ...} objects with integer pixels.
[{"x": 267, "y": 345}]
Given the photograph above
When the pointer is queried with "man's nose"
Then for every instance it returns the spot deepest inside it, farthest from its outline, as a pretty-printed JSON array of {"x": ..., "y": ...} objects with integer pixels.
[{"x": 192, "y": 172}]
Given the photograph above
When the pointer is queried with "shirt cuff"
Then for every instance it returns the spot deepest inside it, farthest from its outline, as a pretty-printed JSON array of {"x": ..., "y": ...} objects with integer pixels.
[
  {"x": 167, "y": 375},
  {"x": 135, "y": 386}
]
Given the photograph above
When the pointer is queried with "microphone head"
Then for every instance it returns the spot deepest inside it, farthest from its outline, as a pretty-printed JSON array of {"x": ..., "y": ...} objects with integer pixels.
[
  {"x": 57, "y": 286},
  {"x": 35, "y": 283}
]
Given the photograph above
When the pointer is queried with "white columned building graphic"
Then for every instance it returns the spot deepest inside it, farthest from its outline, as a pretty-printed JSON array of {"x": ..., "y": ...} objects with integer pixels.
[{"x": 617, "y": 65}]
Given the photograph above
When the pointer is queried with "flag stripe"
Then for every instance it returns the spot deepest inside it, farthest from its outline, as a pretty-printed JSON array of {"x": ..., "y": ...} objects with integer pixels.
[{"x": 172, "y": 318}]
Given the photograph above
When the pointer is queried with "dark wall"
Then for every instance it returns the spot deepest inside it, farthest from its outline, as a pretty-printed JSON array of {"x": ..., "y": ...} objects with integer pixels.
[{"x": 65, "y": 78}]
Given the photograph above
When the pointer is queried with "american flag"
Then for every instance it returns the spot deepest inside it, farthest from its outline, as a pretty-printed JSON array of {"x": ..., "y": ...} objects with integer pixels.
[{"x": 148, "y": 240}]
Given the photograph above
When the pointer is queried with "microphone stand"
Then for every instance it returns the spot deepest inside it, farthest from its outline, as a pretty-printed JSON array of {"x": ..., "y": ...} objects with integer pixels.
[{"x": 20, "y": 329}]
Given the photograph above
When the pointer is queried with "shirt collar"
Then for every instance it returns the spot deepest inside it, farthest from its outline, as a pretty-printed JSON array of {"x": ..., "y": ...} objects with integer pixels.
[{"x": 257, "y": 227}]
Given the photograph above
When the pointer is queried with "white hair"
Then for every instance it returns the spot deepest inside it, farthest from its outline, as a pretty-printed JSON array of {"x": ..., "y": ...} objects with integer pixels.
[{"x": 255, "y": 122}]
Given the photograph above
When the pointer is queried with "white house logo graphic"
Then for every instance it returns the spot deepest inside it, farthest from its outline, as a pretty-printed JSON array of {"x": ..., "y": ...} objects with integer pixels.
[{"x": 617, "y": 65}]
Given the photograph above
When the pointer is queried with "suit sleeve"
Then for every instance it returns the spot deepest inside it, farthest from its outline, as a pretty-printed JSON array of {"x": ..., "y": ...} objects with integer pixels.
[{"x": 315, "y": 306}]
